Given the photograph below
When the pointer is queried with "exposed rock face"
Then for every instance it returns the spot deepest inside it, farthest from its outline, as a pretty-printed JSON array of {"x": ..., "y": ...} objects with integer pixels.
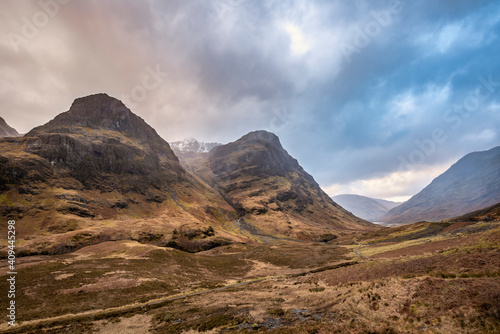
[
  {"x": 365, "y": 207},
  {"x": 100, "y": 160},
  {"x": 470, "y": 184},
  {"x": 191, "y": 152},
  {"x": 271, "y": 190},
  {"x": 99, "y": 138},
  {"x": 102, "y": 112},
  {"x": 258, "y": 153},
  {"x": 6, "y": 130}
]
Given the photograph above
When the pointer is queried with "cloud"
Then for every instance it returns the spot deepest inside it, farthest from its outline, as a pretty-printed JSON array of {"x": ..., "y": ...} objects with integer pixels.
[
  {"x": 299, "y": 43},
  {"x": 397, "y": 186},
  {"x": 487, "y": 136},
  {"x": 471, "y": 31},
  {"x": 233, "y": 67}
]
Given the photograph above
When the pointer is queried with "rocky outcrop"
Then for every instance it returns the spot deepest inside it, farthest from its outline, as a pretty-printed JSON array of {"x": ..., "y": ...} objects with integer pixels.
[
  {"x": 100, "y": 151},
  {"x": 269, "y": 188}
]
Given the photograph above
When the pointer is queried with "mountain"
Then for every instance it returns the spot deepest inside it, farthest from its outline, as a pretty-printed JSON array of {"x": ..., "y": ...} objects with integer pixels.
[
  {"x": 6, "y": 130},
  {"x": 270, "y": 190},
  {"x": 470, "y": 184},
  {"x": 491, "y": 213},
  {"x": 99, "y": 173},
  {"x": 100, "y": 162},
  {"x": 192, "y": 145},
  {"x": 190, "y": 151},
  {"x": 365, "y": 207},
  {"x": 388, "y": 204}
]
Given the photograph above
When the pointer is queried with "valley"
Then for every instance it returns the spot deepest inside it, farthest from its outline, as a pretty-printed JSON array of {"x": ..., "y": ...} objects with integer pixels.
[
  {"x": 378, "y": 281},
  {"x": 116, "y": 233},
  {"x": 240, "y": 167}
]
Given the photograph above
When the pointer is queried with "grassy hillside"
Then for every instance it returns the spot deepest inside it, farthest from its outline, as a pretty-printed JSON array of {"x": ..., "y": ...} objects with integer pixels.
[{"x": 419, "y": 278}]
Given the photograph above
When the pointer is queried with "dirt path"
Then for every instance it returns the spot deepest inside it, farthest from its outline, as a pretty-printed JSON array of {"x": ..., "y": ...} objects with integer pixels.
[{"x": 356, "y": 251}]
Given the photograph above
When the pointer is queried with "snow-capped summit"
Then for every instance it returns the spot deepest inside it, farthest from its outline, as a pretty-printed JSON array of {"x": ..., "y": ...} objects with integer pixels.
[{"x": 192, "y": 145}]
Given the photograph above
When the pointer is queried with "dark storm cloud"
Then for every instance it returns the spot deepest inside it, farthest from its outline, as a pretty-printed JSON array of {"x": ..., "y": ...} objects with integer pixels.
[
  {"x": 226, "y": 67},
  {"x": 409, "y": 59}
]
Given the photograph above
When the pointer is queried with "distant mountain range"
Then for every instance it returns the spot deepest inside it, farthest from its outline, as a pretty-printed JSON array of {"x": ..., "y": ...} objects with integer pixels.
[
  {"x": 470, "y": 184},
  {"x": 365, "y": 207},
  {"x": 6, "y": 130}
]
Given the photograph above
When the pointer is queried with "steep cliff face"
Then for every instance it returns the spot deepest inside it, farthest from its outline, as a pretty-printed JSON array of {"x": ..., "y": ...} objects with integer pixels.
[
  {"x": 103, "y": 145},
  {"x": 271, "y": 190},
  {"x": 98, "y": 172}
]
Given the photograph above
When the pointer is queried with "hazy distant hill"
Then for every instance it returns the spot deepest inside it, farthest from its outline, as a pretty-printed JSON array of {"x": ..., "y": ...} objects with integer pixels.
[
  {"x": 6, "y": 130},
  {"x": 365, "y": 207},
  {"x": 470, "y": 184}
]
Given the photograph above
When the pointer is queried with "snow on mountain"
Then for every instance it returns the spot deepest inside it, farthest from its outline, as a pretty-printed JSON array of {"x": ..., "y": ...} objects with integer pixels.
[{"x": 192, "y": 145}]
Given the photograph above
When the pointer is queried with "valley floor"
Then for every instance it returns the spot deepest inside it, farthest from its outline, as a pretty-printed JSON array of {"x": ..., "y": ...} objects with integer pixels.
[{"x": 421, "y": 278}]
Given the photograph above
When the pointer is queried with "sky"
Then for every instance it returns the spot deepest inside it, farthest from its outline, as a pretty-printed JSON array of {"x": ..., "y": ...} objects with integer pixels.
[{"x": 375, "y": 98}]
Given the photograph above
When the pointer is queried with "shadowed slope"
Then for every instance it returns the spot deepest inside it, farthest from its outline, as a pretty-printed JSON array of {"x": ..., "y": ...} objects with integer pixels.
[
  {"x": 271, "y": 190},
  {"x": 470, "y": 184},
  {"x": 6, "y": 130}
]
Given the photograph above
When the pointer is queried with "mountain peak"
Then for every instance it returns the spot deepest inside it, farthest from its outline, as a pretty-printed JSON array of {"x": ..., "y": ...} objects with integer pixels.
[
  {"x": 263, "y": 135},
  {"x": 257, "y": 149},
  {"x": 97, "y": 103},
  {"x": 269, "y": 187},
  {"x": 96, "y": 111},
  {"x": 99, "y": 111},
  {"x": 364, "y": 207}
]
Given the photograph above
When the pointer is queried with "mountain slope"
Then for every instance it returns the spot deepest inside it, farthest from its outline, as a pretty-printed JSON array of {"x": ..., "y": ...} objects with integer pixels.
[
  {"x": 365, "y": 207},
  {"x": 6, "y": 130},
  {"x": 100, "y": 162},
  {"x": 491, "y": 213},
  {"x": 191, "y": 152},
  {"x": 388, "y": 204},
  {"x": 271, "y": 191},
  {"x": 470, "y": 184}
]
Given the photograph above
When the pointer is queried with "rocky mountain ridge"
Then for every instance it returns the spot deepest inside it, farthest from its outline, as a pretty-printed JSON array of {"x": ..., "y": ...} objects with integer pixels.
[
  {"x": 95, "y": 170},
  {"x": 270, "y": 189},
  {"x": 98, "y": 172}
]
